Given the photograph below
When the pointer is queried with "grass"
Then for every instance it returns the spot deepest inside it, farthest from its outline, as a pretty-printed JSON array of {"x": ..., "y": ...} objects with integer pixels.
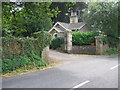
[{"x": 25, "y": 71}]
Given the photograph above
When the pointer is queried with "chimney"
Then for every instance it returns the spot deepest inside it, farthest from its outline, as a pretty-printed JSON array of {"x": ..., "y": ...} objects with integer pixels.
[{"x": 73, "y": 17}]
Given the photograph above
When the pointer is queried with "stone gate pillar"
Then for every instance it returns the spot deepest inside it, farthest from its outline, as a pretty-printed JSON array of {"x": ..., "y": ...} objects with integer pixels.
[
  {"x": 68, "y": 41},
  {"x": 100, "y": 47}
]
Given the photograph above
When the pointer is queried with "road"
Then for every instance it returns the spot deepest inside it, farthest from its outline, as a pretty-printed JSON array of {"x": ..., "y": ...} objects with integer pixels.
[{"x": 74, "y": 71}]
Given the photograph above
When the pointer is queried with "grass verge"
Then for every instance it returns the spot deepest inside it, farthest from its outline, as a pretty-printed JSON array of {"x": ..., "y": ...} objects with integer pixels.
[{"x": 26, "y": 71}]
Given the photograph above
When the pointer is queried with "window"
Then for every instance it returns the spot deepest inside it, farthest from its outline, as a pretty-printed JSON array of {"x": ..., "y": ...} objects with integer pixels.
[
  {"x": 55, "y": 35},
  {"x": 73, "y": 30}
]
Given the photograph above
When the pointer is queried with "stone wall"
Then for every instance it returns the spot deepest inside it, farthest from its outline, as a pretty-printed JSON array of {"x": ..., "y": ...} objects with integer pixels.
[
  {"x": 87, "y": 49},
  {"x": 45, "y": 54}
]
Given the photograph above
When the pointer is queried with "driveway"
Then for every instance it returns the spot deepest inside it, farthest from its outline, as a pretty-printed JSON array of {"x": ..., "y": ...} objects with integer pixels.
[{"x": 74, "y": 71}]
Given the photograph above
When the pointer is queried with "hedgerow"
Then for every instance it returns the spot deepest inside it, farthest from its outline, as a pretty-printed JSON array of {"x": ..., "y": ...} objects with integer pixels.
[
  {"x": 23, "y": 52},
  {"x": 83, "y": 38},
  {"x": 57, "y": 43}
]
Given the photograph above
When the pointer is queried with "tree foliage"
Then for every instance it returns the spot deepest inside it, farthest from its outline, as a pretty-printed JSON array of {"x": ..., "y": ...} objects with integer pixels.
[
  {"x": 64, "y": 8},
  {"x": 103, "y": 16},
  {"x": 25, "y": 18}
]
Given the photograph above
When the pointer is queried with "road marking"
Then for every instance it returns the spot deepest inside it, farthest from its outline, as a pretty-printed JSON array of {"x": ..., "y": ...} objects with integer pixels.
[
  {"x": 114, "y": 67},
  {"x": 81, "y": 84}
]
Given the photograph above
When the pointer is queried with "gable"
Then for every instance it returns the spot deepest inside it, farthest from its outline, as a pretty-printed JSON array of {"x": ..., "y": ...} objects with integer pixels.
[{"x": 59, "y": 27}]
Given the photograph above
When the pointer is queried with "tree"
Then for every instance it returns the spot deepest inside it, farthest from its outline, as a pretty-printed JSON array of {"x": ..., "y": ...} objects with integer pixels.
[
  {"x": 103, "y": 16},
  {"x": 79, "y": 6},
  {"x": 65, "y": 8},
  {"x": 26, "y": 18}
]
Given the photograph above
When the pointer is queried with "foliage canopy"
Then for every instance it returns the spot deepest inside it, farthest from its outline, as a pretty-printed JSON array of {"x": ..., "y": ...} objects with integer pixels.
[
  {"x": 25, "y": 18},
  {"x": 103, "y": 17}
]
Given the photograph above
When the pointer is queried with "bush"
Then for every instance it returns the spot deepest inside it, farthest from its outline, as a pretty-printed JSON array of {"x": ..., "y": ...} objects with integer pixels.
[
  {"x": 111, "y": 41},
  {"x": 83, "y": 38},
  {"x": 112, "y": 51},
  {"x": 57, "y": 43},
  {"x": 23, "y": 52}
]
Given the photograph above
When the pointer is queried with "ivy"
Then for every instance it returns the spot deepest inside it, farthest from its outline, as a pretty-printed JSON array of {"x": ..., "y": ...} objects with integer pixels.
[{"x": 23, "y": 52}]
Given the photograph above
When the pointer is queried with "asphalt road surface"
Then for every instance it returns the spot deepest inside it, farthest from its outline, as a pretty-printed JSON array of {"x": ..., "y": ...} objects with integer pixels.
[{"x": 74, "y": 71}]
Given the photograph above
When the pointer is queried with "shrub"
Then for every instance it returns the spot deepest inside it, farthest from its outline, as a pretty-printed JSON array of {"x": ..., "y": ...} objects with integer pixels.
[
  {"x": 57, "y": 43},
  {"x": 23, "y": 52},
  {"x": 83, "y": 38},
  {"x": 112, "y": 51}
]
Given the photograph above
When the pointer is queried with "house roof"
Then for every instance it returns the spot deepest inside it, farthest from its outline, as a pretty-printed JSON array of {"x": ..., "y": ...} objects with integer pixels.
[
  {"x": 76, "y": 25},
  {"x": 68, "y": 26},
  {"x": 59, "y": 30},
  {"x": 73, "y": 25}
]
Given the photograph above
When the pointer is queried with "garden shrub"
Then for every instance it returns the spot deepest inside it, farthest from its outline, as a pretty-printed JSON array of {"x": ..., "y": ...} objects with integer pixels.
[
  {"x": 83, "y": 38},
  {"x": 57, "y": 43},
  {"x": 112, "y": 51},
  {"x": 23, "y": 52}
]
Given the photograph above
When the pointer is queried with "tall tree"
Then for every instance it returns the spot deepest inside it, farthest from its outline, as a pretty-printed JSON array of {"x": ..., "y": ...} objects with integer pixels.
[
  {"x": 65, "y": 8},
  {"x": 103, "y": 16},
  {"x": 23, "y": 19}
]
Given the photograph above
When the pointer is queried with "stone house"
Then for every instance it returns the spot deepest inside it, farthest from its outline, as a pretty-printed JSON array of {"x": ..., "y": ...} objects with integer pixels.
[{"x": 60, "y": 27}]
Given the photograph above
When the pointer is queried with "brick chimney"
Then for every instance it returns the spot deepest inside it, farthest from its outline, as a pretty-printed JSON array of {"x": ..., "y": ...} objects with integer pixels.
[{"x": 73, "y": 17}]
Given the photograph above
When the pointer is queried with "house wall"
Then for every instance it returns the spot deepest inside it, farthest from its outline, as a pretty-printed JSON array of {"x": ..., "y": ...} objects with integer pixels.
[
  {"x": 61, "y": 34},
  {"x": 53, "y": 31}
]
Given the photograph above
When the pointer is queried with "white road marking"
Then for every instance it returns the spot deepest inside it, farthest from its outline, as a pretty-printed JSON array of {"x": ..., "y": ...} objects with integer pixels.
[
  {"x": 81, "y": 84},
  {"x": 114, "y": 67}
]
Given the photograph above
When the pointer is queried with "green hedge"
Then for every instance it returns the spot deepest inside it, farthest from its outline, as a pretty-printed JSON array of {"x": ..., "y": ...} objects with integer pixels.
[
  {"x": 83, "y": 38},
  {"x": 23, "y": 52},
  {"x": 57, "y": 43},
  {"x": 112, "y": 51}
]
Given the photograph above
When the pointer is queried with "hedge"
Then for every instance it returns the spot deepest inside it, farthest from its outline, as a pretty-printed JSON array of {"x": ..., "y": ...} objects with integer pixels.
[
  {"x": 57, "y": 43},
  {"x": 83, "y": 38},
  {"x": 23, "y": 52}
]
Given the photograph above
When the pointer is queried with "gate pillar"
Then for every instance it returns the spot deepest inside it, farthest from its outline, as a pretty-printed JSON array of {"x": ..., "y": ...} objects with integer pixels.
[{"x": 68, "y": 41}]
